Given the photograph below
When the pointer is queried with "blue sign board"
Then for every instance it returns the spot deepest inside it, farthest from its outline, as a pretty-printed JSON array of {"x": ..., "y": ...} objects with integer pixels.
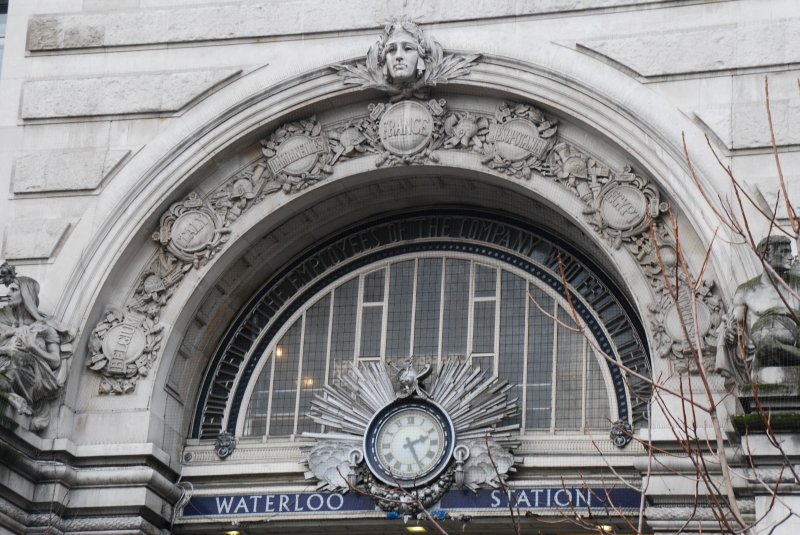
[
  {"x": 304, "y": 502},
  {"x": 327, "y": 502},
  {"x": 538, "y": 498}
]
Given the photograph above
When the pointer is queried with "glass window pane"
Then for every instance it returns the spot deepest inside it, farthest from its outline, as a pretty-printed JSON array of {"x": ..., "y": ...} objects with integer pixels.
[
  {"x": 512, "y": 336},
  {"x": 284, "y": 385},
  {"x": 255, "y": 423},
  {"x": 569, "y": 375},
  {"x": 483, "y": 327},
  {"x": 597, "y": 409},
  {"x": 315, "y": 350},
  {"x": 426, "y": 325},
  {"x": 456, "y": 307},
  {"x": 540, "y": 361},
  {"x": 401, "y": 294},
  {"x": 343, "y": 335},
  {"x": 484, "y": 363},
  {"x": 373, "y": 286},
  {"x": 485, "y": 281},
  {"x": 371, "y": 324},
  {"x": 580, "y": 388}
]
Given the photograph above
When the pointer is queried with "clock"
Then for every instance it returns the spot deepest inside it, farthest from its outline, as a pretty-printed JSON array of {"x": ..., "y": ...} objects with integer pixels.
[{"x": 410, "y": 440}]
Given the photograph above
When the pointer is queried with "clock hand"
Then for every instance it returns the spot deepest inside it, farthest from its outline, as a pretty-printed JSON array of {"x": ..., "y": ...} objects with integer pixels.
[
  {"x": 410, "y": 445},
  {"x": 422, "y": 438}
]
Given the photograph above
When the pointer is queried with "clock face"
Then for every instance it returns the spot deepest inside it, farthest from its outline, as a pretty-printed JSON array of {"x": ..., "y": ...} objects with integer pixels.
[{"x": 409, "y": 441}]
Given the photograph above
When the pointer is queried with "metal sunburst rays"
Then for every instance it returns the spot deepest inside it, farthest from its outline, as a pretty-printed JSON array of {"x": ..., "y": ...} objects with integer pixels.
[
  {"x": 476, "y": 402},
  {"x": 349, "y": 406}
]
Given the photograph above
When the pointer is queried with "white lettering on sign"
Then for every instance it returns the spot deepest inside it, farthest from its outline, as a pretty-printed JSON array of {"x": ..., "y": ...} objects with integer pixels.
[
  {"x": 326, "y": 502},
  {"x": 241, "y": 505},
  {"x": 321, "y": 502},
  {"x": 224, "y": 506},
  {"x": 559, "y": 498},
  {"x": 567, "y": 500},
  {"x": 334, "y": 497}
]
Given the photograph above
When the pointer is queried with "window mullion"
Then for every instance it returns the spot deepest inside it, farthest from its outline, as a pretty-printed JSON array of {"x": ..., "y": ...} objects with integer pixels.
[
  {"x": 471, "y": 310},
  {"x": 271, "y": 392},
  {"x": 441, "y": 311},
  {"x": 330, "y": 338},
  {"x": 497, "y": 288},
  {"x": 299, "y": 374},
  {"x": 328, "y": 349},
  {"x": 385, "y": 315},
  {"x": 585, "y": 383},
  {"x": 525, "y": 360},
  {"x": 553, "y": 384},
  {"x": 414, "y": 308},
  {"x": 359, "y": 314}
]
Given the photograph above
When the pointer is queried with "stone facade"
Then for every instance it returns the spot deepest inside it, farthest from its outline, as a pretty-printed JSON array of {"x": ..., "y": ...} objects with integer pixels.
[{"x": 165, "y": 161}]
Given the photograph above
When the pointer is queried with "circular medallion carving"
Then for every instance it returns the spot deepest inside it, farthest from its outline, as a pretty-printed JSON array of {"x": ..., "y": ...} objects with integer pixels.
[
  {"x": 124, "y": 342},
  {"x": 623, "y": 207},
  {"x": 406, "y": 128},
  {"x": 193, "y": 231},
  {"x": 672, "y": 320},
  {"x": 299, "y": 154},
  {"x": 516, "y": 139}
]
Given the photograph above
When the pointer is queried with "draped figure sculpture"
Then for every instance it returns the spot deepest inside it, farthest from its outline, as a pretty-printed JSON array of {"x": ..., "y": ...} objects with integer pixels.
[{"x": 35, "y": 350}]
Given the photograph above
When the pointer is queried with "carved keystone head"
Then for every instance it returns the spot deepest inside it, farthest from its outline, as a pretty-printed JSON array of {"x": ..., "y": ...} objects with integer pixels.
[{"x": 403, "y": 52}]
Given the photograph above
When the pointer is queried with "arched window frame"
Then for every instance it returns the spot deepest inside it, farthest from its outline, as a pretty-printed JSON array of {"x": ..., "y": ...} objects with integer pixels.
[{"x": 268, "y": 355}]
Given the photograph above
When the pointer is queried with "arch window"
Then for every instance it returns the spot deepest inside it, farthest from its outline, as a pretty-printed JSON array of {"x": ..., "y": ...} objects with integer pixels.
[{"x": 430, "y": 307}]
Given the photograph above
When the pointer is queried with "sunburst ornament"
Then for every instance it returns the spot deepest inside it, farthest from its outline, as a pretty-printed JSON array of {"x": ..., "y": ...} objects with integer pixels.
[{"x": 411, "y": 444}]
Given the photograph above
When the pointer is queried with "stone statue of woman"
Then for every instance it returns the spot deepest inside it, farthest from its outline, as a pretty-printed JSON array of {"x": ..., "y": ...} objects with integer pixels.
[{"x": 35, "y": 350}]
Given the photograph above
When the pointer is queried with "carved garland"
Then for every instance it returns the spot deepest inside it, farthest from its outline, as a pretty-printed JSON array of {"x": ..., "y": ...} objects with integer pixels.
[{"x": 409, "y": 129}]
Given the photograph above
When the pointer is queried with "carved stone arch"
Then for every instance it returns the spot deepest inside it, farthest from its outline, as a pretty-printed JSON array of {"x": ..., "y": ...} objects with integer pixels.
[{"x": 206, "y": 149}]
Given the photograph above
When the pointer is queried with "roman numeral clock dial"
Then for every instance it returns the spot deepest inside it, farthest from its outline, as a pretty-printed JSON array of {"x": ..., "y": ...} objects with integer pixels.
[{"x": 410, "y": 441}]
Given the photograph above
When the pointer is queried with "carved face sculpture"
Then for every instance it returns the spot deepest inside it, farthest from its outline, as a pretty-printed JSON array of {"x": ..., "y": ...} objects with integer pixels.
[
  {"x": 14, "y": 294},
  {"x": 403, "y": 58},
  {"x": 780, "y": 256}
]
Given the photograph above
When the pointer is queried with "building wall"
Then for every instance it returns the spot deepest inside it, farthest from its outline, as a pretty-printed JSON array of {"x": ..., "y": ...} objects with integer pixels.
[{"x": 111, "y": 111}]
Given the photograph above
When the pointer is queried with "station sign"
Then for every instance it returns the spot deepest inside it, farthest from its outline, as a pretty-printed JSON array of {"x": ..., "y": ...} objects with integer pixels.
[{"x": 555, "y": 498}]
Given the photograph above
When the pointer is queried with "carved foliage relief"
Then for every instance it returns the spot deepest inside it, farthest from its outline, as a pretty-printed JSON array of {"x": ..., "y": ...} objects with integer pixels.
[{"x": 410, "y": 128}]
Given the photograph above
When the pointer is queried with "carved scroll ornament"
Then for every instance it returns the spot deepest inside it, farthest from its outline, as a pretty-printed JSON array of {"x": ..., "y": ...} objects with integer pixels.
[
  {"x": 411, "y": 128},
  {"x": 126, "y": 342}
]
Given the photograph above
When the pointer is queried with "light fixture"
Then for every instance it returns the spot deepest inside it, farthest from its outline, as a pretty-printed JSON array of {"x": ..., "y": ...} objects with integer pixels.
[
  {"x": 308, "y": 381},
  {"x": 606, "y": 527},
  {"x": 232, "y": 533},
  {"x": 416, "y": 529},
  {"x": 278, "y": 352}
]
